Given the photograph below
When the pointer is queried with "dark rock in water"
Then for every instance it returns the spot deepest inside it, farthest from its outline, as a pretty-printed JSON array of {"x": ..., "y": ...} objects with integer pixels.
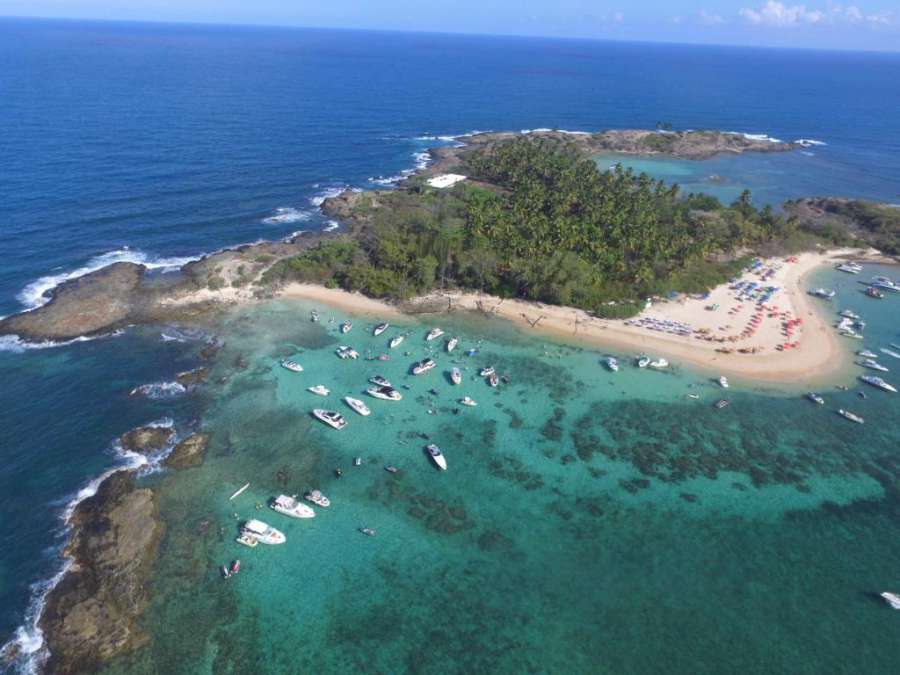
[
  {"x": 189, "y": 452},
  {"x": 492, "y": 540},
  {"x": 688, "y": 497},
  {"x": 211, "y": 349},
  {"x": 191, "y": 378},
  {"x": 241, "y": 363},
  {"x": 635, "y": 484},
  {"x": 146, "y": 440},
  {"x": 567, "y": 459},
  {"x": 91, "y": 615}
]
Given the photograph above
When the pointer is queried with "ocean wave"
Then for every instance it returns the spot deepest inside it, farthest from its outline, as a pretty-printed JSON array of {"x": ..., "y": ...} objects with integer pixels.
[
  {"x": 37, "y": 292},
  {"x": 327, "y": 193},
  {"x": 446, "y": 139},
  {"x": 755, "y": 137},
  {"x": 331, "y": 225},
  {"x": 387, "y": 180},
  {"x": 159, "y": 390},
  {"x": 13, "y": 343},
  {"x": 287, "y": 214}
]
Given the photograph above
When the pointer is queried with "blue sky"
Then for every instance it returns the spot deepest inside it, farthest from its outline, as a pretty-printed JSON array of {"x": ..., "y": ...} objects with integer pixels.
[{"x": 858, "y": 24}]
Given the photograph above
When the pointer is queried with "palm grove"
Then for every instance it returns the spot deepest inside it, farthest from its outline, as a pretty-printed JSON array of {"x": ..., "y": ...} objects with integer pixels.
[{"x": 538, "y": 220}]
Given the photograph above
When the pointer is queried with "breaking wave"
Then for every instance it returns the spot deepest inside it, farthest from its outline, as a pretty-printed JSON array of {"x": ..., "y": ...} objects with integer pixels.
[{"x": 287, "y": 214}]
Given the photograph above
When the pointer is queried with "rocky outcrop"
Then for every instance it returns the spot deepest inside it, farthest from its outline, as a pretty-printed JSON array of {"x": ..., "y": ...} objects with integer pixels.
[
  {"x": 147, "y": 440},
  {"x": 189, "y": 452},
  {"x": 90, "y": 616},
  {"x": 191, "y": 378}
]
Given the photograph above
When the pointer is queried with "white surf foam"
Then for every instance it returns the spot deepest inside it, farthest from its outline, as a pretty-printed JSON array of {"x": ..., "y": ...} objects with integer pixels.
[
  {"x": 327, "y": 193},
  {"x": 159, "y": 390},
  {"x": 287, "y": 214},
  {"x": 13, "y": 343},
  {"x": 331, "y": 226},
  {"x": 755, "y": 137},
  {"x": 809, "y": 142},
  {"x": 37, "y": 292}
]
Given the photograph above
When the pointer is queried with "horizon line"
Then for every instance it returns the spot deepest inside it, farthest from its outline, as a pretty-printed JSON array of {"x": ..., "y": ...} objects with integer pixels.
[{"x": 228, "y": 24}]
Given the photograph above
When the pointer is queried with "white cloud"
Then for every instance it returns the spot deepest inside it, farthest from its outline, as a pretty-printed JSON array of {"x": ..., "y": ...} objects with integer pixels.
[
  {"x": 618, "y": 17},
  {"x": 710, "y": 19},
  {"x": 778, "y": 14}
]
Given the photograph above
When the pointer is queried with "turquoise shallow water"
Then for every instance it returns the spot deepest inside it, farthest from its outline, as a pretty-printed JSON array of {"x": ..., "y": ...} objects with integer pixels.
[{"x": 588, "y": 522}]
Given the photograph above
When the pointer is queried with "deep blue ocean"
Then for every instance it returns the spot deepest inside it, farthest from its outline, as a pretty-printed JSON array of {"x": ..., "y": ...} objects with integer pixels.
[{"x": 158, "y": 143}]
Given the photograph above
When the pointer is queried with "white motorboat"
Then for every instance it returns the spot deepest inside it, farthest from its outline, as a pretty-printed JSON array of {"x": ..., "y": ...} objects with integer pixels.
[
  {"x": 434, "y": 334},
  {"x": 493, "y": 380},
  {"x": 853, "y": 335},
  {"x": 333, "y": 419},
  {"x": 850, "y": 416},
  {"x": 317, "y": 498},
  {"x": 878, "y": 383},
  {"x": 423, "y": 366},
  {"x": 889, "y": 352},
  {"x": 723, "y": 382},
  {"x": 380, "y": 328},
  {"x": 357, "y": 405},
  {"x": 612, "y": 363},
  {"x": 346, "y": 326},
  {"x": 451, "y": 344},
  {"x": 659, "y": 364},
  {"x": 873, "y": 365},
  {"x": 384, "y": 393},
  {"x": 886, "y": 283},
  {"x": 436, "y": 456},
  {"x": 346, "y": 352},
  {"x": 288, "y": 506},
  {"x": 357, "y": 461},
  {"x": 319, "y": 390},
  {"x": 849, "y": 268},
  {"x": 643, "y": 361},
  {"x": 293, "y": 366},
  {"x": 893, "y": 599},
  {"x": 815, "y": 398},
  {"x": 465, "y": 400},
  {"x": 849, "y": 314},
  {"x": 823, "y": 293},
  {"x": 380, "y": 381},
  {"x": 263, "y": 533},
  {"x": 866, "y": 354},
  {"x": 314, "y": 316},
  {"x": 395, "y": 341},
  {"x": 368, "y": 531},
  {"x": 486, "y": 372},
  {"x": 455, "y": 375}
]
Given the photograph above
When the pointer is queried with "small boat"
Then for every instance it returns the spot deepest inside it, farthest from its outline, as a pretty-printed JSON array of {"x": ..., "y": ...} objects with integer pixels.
[
  {"x": 873, "y": 365},
  {"x": 893, "y": 599},
  {"x": 391, "y": 469},
  {"x": 357, "y": 405},
  {"x": 643, "y": 361},
  {"x": 487, "y": 372},
  {"x": 247, "y": 540},
  {"x": 849, "y": 268},
  {"x": 263, "y": 533},
  {"x": 228, "y": 572},
  {"x": 659, "y": 364},
  {"x": 314, "y": 316},
  {"x": 395, "y": 341},
  {"x": 384, "y": 393},
  {"x": 288, "y": 506},
  {"x": 346, "y": 352},
  {"x": 357, "y": 461},
  {"x": 423, "y": 366},
  {"x": 465, "y": 400},
  {"x": 493, "y": 380},
  {"x": 815, "y": 398},
  {"x": 866, "y": 354},
  {"x": 853, "y": 335},
  {"x": 873, "y": 292},
  {"x": 380, "y": 381},
  {"x": 850, "y": 416},
  {"x": 436, "y": 456},
  {"x": 434, "y": 334},
  {"x": 367, "y": 531},
  {"x": 694, "y": 396},
  {"x": 878, "y": 383},
  {"x": 823, "y": 293},
  {"x": 380, "y": 328},
  {"x": 723, "y": 382},
  {"x": 455, "y": 375},
  {"x": 319, "y": 390},
  {"x": 451, "y": 344},
  {"x": 346, "y": 326},
  {"x": 293, "y": 366},
  {"x": 317, "y": 498},
  {"x": 889, "y": 352},
  {"x": 239, "y": 491},
  {"x": 612, "y": 363},
  {"x": 333, "y": 419},
  {"x": 849, "y": 314},
  {"x": 722, "y": 403}
]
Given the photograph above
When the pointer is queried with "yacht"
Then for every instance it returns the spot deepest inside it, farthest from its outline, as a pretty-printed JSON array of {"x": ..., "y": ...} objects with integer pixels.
[
  {"x": 893, "y": 599},
  {"x": 850, "y": 416},
  {"x": 487, "y": 371},
  {"x": 889, "y": 352},
  {"x": 451, "y": 343},
  {"x": 455, "y": 375},
  {"x": 823, "y": 293},
  {"x": 288, "y": 506},
  {"x": 850, "y": 268},
  {"x": 434, "y": 334},
  {"x": 380, "y": 328},
  {"x": 395, "y": 341},
  {"x": 384, "y": 393},
  {"x": 723, "y": 382},
  {"x": 866, "y": 354},
  {"x": 849, "y": 314},
  {"x": 815, "y": 398},
  {"x": 319, "y": 390},
  {"x": 423, "y": 366},
  {"x": 293, "y": 366},
  {"x": 659, "y": 364},
  {"x": 612, "y": 363},
  {"x": 263, "y": 533},
  {"x": 346, "y": 326},
  {"x": 886, "y": 283},
  {"x": 876, "y": 381},
  {"x": 493, "y": 380},
  {"x": 357, "y": 406},
  {"x": 872, "y": 365},
  {"x": 643, "y": 361},
  {"x": 380, "y": 381},
  {"x": 465, "y": 400},
  {"x": 436, "y": 456},
  {"x": 346, "y": 352},
  {"x": 317, "y": 498},
  {"x": 331, "y": 418}
]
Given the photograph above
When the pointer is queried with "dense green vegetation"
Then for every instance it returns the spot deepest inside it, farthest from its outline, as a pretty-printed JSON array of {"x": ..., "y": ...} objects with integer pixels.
[
  {"x": 540, "y": 222},
  {"x": 852, "y": 222}
]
